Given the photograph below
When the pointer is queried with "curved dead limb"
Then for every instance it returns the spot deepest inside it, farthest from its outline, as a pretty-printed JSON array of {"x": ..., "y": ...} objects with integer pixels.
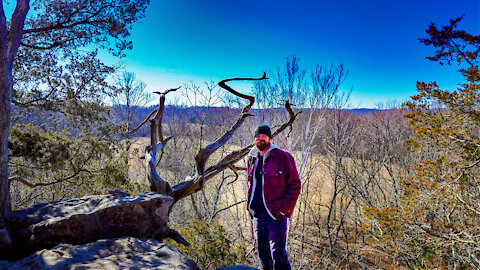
[
  {"x": 144, "y": 121},
  {"x": 237, "y": 155},
  {"x": 238, "y": 94},
  {"x": 228, "y": 160},
  {"x": 205, "y": 153},
  {"x": 157, "y": 184},
  {"x": 187, "y": 188},
  {"x": 235, "y": 170},
  {"x": 226, "y": 208},
  {"x": 193, "y": 185},
  {"x": 293, "y": 116}
]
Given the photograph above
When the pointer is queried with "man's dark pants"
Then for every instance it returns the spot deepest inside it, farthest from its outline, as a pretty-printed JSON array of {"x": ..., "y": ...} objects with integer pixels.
[{"x": 271, "y": 236}]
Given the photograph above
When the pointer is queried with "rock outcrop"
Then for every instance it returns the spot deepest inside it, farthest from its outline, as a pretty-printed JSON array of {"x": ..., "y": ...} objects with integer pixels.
[
  {"x": 88, "y": 219},
  {"x": 120, "y": 253}
]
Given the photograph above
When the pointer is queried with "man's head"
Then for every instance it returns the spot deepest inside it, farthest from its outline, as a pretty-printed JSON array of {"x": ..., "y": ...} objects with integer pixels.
[{"x": 263, "y": 134}]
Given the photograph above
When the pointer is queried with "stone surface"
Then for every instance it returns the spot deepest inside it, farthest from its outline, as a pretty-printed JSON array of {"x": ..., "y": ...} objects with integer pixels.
[
  {"x": 87, "y": 219},
  {"x": 120, "y": 253}
]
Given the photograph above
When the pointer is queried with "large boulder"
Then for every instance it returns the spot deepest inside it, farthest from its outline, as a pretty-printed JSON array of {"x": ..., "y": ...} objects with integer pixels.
[
  {"x": 120, "y": 253},
  {"x": 87, "y": 219}
]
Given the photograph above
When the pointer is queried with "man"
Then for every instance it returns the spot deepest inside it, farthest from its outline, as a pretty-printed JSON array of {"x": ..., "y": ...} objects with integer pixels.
[{"x": 273, "y": 189}]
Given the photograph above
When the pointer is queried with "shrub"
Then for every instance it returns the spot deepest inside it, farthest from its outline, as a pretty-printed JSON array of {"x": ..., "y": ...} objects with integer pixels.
[{"x": 210, "y": 247}]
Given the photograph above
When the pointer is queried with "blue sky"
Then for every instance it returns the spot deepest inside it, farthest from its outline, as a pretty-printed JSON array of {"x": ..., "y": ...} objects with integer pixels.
[{"x": 376, "y": 40}]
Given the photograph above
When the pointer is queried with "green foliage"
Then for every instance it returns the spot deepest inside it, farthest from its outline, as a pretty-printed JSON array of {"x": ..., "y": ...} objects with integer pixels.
[
  {"x": 62, "y": 139},
  {"x": 210, "y": 247},
  {"x": 437, "y": 224},
  {"x": 426, "y": 256},
  {"x": 73, "y": 166},
  {"x": 57, "y": 67},
  {"x": 48, "y": 148},
  {"x": 70, "y": 24}
]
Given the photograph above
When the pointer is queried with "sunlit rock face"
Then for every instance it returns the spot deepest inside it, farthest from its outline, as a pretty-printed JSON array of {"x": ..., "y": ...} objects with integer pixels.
[
  {"x": 120, "y": 253},
  {"x": 88, "y": 219}
]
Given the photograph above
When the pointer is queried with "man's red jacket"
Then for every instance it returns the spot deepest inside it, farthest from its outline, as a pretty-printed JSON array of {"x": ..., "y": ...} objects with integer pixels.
[{"x": 281, "y": 183}]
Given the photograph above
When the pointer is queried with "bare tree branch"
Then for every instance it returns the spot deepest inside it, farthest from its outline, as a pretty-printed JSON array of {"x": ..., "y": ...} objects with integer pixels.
[
  {"x": 65, "y": 25},
  {"x": 226, "y": 208},
  {"x": 293, "y": 116},
  {"x": 238, "y": 94},
  {"x": 144, "y": 121},
  {"x": 228, "y": 160},
  {"x": 187, "y": 188},
  {"x": 159, "y": 116},
  {"x": 34, "y": 185}
]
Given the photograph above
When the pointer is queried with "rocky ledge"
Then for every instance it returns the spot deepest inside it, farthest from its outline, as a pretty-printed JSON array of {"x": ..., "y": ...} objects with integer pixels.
[
  {"x": 85, "y": 220},
  {"x": 120, "y": 253}
]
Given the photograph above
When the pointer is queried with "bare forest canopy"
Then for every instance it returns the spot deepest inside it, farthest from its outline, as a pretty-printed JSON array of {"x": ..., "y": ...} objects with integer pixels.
[{"x": 49, "y": 120}]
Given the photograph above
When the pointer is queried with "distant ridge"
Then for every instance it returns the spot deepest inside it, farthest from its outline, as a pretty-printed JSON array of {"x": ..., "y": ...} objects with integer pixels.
[
  {"x": 362, "y": 111},
  {"x": 191, "y": 110}
]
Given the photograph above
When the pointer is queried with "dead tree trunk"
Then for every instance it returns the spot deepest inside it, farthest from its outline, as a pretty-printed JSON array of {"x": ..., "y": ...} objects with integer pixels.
[
  {"x": 195, "y": 183},
  {"x": 9, "y": 43},
  {"x": 157, "y": 184}
]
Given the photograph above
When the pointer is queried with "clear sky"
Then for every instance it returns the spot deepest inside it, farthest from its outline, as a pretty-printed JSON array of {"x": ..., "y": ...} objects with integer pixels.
[{"x": 376, "y": 40}]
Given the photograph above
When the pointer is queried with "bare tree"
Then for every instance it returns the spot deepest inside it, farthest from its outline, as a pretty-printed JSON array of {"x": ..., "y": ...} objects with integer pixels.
[
  {"x": 291, "y": 81},
  {"x": 196, "y": 182},
  {"x": 318, "y": 91},
  {"x": 130, "y": 95}
]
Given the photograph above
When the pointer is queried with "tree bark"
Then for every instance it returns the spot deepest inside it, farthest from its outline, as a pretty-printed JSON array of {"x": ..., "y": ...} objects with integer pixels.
[
  {"x": 157, "y": 184},
  {"x": 9, "y": 42}
]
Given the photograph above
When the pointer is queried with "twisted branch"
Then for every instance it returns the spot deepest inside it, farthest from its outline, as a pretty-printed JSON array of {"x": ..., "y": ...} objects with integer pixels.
[{"x": 189, "y": 187}]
